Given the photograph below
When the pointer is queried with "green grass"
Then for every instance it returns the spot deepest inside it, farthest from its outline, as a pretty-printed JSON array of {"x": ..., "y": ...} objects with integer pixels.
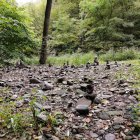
[
  {"x": 129, "y": 56},
  {"x": 76, "y": 59}
]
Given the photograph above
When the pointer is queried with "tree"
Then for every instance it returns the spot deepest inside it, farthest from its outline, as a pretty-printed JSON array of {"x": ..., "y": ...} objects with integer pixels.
[
  {"x": 16, "y": 37},
  {"x": 43, "y": 53}
]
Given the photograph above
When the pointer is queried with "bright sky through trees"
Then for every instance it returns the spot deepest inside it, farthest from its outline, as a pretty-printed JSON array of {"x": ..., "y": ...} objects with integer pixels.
[{"x": 21, "y": 2}]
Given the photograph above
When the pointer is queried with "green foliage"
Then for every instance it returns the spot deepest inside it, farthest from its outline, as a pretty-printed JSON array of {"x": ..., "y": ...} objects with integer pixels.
[
  {"x": 89, "y": 25},
  {"x": 13, "y": 121},
  {"x": 74, "y": 59},
  {"x": 16, "y": 38},
  {"x": 100, "y": 25},
  {"x": 120, "y": 55}
]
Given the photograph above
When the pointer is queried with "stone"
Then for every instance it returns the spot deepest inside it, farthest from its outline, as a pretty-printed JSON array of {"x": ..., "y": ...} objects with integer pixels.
[
  {"x": 14, "y": 97},
  {"x": 48, "y": 137},
  {"x": 47, "y": 108},
  {"x": 110, "y": 137},
  {"x": 103, "y": 116},
  {"x": 96, "y": 62},
  {"x": 78, "y": 91},
  {"x": 117, "y": 127},
  {"x": 82, "y": 109},
  {"x": 38, "y": 105},
  {"x": 115, "y": 113},
  {"x": 70, "y": 82},
  {"x": 121, "y": 81},
  {"x": 90, "y": 96},
  {"x": 2, "y": 84},
  {"x": 42, "y": 117},
  {"x": 83, "y": 106},
  {"x": 83, "y": 87},
  {"x": 113, "y": 89},
  {"x": 128, "y": 138},
  {"x": 93, "y": 135},
  {"x": 101, "y": 132},
  {"x": 26, "y": 101},
  {"x": 19, "y": 103},
  {"x": 47, "y": 86},
  {"x": 87, "y": 65},
  {"x": 118, "y": 120},
  {"x": 107, "y": 65},
  {"x": 34, "y": 81},
  {"x": 97, "y": 100},
  {"x": 121, "y": 92},
  {"x": 84, "y": 101},
  {"x": 61, "y": 79},
  {"x": 79, "y": 137}
]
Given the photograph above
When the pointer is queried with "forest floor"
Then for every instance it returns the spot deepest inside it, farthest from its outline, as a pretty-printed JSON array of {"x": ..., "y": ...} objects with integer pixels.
[{"x": 79, "y": 103}]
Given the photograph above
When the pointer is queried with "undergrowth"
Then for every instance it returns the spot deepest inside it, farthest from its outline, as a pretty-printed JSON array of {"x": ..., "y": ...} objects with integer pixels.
[{"x": 83, "y": 58}]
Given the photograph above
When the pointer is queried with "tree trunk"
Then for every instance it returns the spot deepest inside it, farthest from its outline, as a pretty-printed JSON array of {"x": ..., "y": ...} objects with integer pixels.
[{"x": 43, "y": 53}]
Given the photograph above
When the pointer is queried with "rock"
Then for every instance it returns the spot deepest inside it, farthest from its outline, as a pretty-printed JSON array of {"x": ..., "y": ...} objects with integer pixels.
[
  {"x": 2, "y": 84},
  {"x": 96, "y": 61},
  {"x": 82, "y": 109},
  {"x": 104, "y": 116},
  {"x": 47, "y": 108},
  {"x": 26, "y": 101},
  {"x": 0, "y": 75},
  {"x": 38, "y": 105},
  {"x": 55, "y": 138},
  {"x": 60, "y": 80},
  {"x": 121, "y": 92},
  {"x": 90, "y": 96},
  {"x": 70, "y": 104},
  {"x": 107, "y": 65},
  {"x": 115, "y": 113},
  {"x": 97, "y": 100},
  {"x": 19, "y": 103},
  {"x": 70, "y": 82},
  {"x": 118, "y": 120},
  {"x": 47, "y": 86},
  {"x": 132, "y": 99},
  {"x": 42, "y": 107},
  {"x": 113, "y": 89},
  {"x": 78, "y": 91},
  {"x": 14, "y": 97},
  {"x": 110, "y": 137},
  {"x": 42, "y": 117},
  {"x": 90, "y": 89},
  {"x": 101, "y": 132},
  {"x": 119, "y": 105},
  {"x": 83, "y": 87},
  {"x": 116, "y": 64},
  {"x": 79, "y": 137},
  {"x": 117, "y": 127},
  {"x": 77, "y": 129},
  {"x": 49, "y": 137},
  {"x": 83, "y": 106},
  {"x": 20, "y": 64},
  {"x": 121, "y": 81},
  {"x": 128, "y": 138},
  {"x": 87, "y": 65},
  {"x": 34, "y": 81},
  {"x": 93, "y": 135}
]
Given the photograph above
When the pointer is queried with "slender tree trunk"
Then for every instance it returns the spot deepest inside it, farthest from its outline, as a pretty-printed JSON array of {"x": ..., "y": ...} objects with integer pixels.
[{"x": 43, "y": 53}]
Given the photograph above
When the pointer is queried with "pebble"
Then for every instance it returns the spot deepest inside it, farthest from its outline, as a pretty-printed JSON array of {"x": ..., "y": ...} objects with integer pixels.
[{"x": 110, "y": 137}]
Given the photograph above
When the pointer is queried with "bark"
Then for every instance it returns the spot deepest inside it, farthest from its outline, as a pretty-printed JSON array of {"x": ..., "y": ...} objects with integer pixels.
[{"x": 43, "y": 53}]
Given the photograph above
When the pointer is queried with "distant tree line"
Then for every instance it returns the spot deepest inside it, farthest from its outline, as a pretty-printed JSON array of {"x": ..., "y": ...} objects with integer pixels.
[
  {"x": 75, "y": 25},
  {"x": 86, "y": 25}
]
